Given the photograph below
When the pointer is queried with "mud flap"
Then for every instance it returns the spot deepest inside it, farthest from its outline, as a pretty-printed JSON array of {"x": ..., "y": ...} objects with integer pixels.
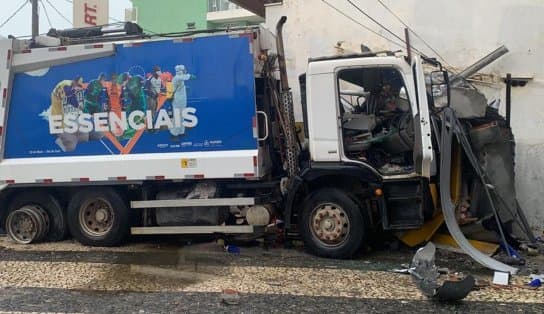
[{"x": 449, "y": 123}]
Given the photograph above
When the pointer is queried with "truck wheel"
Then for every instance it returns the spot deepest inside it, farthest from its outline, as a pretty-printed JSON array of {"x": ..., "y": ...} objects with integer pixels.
[
  {"x": 98, "y": 217},
  {"x": 41, "y": 202},
  {"x": 332, "y": 224}
]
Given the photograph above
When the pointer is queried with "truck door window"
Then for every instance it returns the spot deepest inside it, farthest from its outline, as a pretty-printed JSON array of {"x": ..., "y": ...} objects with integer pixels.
[{"x": 377, "y": 125}]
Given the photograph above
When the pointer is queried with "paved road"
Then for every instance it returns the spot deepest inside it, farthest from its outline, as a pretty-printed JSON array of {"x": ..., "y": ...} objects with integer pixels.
[
  {"x": 70, "y": 301},
  {"x": 157, "y": 278}
]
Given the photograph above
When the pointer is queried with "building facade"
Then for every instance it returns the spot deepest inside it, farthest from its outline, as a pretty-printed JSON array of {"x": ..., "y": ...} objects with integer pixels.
[{"x": 164, "y": 16}]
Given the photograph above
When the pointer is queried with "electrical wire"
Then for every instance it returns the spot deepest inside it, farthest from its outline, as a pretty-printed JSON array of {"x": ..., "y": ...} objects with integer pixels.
[
  {"x": 46, "y": 14},
  {"x": 14, "y": 13},
  {"x": 413, "y": 32},
  {"x": 362, "y": 25},
  {"x": 58, "y": 12},
  {"x": 119, "y": 21},
  {"x": 382, "y": 26}
]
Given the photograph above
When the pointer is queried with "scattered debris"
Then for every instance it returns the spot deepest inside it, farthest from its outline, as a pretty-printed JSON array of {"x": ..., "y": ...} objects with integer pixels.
[
  {"x": 232, "y": 249},
  {"x": 425, "y": 275},
  {"x": 403, "y": 271},
  {"x": 481, "y": 283},
  {"x": 501, "y": 278},
  {"x": 230, "y": 297},
  {"x": 535, "y": 283},
  {"x": 530, "y": 249}
]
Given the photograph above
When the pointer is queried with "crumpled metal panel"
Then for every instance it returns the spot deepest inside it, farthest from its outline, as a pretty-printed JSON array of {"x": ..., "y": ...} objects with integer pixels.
[
  {"x": 425, "y": 275},
  {"x": 449, "y": 123},
  {"x": 424, "y": 271}
]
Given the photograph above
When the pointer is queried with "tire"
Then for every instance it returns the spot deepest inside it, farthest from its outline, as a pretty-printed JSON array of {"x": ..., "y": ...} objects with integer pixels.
[
  {"x": 58, "y": 229},
  {"x": 332, "y": 203},
  {"x": 98, "y": 217}
]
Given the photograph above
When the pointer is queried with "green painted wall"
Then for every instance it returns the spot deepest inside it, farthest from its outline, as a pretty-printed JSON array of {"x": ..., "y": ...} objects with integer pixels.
[{"x": 163, "y": 16}]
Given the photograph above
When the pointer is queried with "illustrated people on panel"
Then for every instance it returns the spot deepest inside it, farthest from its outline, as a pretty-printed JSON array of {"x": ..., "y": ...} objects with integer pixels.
[
  {"x": 154, "y": 86},
  {"x": 96, "y": 100},
  {"x": 67, "y": 99},
  {"x": 133, "y": 98},
  {"x": 179, "y": 101}
]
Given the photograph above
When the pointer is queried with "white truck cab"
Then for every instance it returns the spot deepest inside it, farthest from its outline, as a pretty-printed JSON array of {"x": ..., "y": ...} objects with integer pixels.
[
  {"x": 345, "y": 125},
  {"x": 370, "y": 156}
]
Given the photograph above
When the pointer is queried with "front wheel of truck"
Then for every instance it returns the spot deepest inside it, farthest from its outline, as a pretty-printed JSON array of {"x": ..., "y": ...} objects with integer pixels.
[
  {"x": 98, "y": 217},
  {"x": 332, "y": 224}
]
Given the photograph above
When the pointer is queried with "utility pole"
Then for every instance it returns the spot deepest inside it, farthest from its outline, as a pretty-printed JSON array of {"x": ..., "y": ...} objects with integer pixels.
[{"x": 35, "y": 19}]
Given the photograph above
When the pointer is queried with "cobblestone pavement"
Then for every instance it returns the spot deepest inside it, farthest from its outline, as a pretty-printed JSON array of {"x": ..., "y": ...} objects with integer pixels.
[{"x": 158, "y": 277}]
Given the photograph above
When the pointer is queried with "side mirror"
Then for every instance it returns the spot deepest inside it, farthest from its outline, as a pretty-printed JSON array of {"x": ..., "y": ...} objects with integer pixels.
[{"x": 440, "y": 88}]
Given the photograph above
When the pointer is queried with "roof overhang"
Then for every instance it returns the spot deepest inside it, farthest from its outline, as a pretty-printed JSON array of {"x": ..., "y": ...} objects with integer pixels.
[{"x": 255, "y": 6}]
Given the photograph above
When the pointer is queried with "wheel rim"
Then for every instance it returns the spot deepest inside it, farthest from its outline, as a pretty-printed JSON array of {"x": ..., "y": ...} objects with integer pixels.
[
  {"x": 330, "y": 225},
  {"x": 27, "y": 224},
  {"x": 96, "y": 217}
]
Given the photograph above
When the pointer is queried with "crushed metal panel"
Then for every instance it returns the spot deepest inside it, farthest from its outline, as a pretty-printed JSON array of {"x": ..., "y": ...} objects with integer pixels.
[
  {"x": 424, "y": 271},
  {"x": 425, "y": 275},
  {"x": 468, "y": 103},
  {"x": 449, "y": 122}
]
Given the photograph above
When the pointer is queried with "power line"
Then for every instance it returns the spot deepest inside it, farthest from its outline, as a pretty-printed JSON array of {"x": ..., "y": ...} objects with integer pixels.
[
  {"x": 46, "y": 14},
  {"x": 58, "y": 12},
  {"x": 381, "y": 25},
  {"x": 362, "y": 25},
  {"x": 375, "y": 21},
  {"x": 119, "y": 21},
  {"x": 14, "y": 13},
  {"x": 413, "y": 32}
]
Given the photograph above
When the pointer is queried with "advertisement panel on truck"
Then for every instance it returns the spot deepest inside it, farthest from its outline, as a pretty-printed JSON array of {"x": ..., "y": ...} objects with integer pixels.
[{"x": 156, "y": 97}]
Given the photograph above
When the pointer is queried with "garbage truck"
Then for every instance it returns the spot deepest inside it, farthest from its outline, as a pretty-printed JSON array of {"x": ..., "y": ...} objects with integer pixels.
[{"x": 111, "y": 133}]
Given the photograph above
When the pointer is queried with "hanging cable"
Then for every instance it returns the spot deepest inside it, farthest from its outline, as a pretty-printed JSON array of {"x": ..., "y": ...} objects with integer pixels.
[
  {"x": 375, "y": 21},
  {"x": 413, "y": 32},
  {"x": 58, "y": 12},
  {"x": 362, "y": 25},
  {"x": 46, "y": 14},
  {"x": 382, "y": 26},
  {"x": 14, "y": 13},
  {"x": 119, "y": 21}
]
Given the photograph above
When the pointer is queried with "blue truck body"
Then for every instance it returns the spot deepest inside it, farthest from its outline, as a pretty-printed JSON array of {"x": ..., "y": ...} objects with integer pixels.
[{"x": 114, "y": 105}]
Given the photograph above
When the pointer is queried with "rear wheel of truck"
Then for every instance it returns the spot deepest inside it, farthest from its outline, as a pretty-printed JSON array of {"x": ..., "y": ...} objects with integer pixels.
[
  {"x": 35, "y": 216},
  {"x": 332, "y": 224},
  {"x": 98, "y": 217}
]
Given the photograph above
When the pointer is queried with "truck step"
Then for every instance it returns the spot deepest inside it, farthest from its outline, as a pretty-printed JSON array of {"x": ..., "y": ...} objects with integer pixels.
[
  {"x": 192, "y": 230},
  {"x": 234, "y": 201}
]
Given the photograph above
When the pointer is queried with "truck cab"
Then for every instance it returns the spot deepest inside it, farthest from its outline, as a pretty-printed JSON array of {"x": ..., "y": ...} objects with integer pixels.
[
  {"x": 375, "y": 116},
  {"x": 370, "y": 150}
]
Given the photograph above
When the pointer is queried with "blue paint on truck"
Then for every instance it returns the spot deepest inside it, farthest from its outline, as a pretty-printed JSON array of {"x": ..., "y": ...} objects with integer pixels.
[{"x": 157, "y": 97}]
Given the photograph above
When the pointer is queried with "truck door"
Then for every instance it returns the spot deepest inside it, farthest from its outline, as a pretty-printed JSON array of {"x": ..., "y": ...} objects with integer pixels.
[{"x": 423, "y": 150}]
